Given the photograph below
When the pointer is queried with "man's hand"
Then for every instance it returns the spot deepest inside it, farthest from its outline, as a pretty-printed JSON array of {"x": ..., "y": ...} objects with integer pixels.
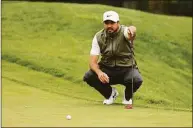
[
  {"x": 95, "y": 67},
  {"x": 132, "y": 32},
  {"x": 103, "y": 77}
]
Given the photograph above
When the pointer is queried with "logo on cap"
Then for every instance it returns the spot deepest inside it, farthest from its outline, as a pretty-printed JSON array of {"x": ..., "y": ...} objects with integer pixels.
[{"x": 109, "y": 15}]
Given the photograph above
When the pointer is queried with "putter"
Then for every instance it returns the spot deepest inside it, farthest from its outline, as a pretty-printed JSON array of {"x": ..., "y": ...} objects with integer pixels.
[
  {"x": 131, "y": 46},
  {"x": 132, "y": 74}
]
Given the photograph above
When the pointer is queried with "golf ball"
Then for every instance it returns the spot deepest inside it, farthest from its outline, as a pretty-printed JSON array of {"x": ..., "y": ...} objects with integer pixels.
[{"x": 68, "y": 117}]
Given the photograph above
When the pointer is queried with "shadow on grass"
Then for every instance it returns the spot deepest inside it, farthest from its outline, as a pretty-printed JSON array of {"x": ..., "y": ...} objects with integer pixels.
[
  {"x": 51, "y": 90},
  {"x": 52, "y": 71}
]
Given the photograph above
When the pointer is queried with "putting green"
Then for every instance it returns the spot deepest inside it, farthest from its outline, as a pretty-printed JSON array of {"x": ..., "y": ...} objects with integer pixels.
[{"x": 28, "y": 106}]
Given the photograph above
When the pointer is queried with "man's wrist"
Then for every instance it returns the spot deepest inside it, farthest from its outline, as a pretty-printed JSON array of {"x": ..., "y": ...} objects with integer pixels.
[{"x": 98, "y": 71}]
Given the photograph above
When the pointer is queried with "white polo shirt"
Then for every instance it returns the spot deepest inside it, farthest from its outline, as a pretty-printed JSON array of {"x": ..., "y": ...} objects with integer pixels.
[{"x": 95, "y": 50}]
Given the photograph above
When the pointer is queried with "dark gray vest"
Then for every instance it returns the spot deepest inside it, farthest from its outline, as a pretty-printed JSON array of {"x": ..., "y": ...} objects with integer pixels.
[{"x": 115, "y": 49}]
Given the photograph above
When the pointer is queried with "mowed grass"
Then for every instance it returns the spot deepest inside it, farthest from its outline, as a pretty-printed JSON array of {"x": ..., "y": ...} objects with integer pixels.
[
  {"x": 26, "y": 105},
  {"x": 53, "y": 40}
]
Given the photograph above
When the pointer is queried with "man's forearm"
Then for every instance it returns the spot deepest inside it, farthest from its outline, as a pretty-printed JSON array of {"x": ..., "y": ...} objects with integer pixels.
[{"x": 95, "y": 67}]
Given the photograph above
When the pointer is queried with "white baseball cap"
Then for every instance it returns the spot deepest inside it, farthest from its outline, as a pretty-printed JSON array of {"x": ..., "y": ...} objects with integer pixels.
[{"x": 111, "y": 15}]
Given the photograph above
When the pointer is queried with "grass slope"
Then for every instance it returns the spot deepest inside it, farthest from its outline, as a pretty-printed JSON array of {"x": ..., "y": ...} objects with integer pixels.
[
  {"x": 36, "y": 99},
  {"x": 55, "y": 38}
]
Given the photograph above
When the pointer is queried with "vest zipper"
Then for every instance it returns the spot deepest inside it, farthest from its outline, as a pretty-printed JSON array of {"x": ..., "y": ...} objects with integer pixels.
[{"x": 112, "y": 49}]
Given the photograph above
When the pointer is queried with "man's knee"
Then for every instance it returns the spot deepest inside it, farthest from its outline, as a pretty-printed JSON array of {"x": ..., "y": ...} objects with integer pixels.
[
  {"x": 89, "y": 77},
  {"x": 137, "y": 81},
  {"x": 137, "y": 84}
]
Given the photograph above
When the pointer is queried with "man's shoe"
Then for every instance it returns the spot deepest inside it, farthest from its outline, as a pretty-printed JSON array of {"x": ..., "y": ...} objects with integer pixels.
[
  {"x": 128, "y": 104},
  {"x": 113, "y": 96}
]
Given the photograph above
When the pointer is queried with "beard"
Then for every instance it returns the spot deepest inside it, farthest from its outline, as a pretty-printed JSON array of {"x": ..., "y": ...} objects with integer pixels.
[{"x": 110, "y": 30}]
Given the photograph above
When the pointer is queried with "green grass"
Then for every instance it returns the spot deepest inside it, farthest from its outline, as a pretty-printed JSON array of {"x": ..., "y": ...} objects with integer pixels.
[
  {"x": 53, "y": 40},
  {"x": 37, "y": 99}
]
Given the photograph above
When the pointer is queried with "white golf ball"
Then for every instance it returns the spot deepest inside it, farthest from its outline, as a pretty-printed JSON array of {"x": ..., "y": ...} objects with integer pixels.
[{"x": 68, "y": 117}]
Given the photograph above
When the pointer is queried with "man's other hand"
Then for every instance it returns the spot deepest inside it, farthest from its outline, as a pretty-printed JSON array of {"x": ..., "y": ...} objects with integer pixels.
[
  {"x": 132, "y": 32},
  {"x": 103, "y": 77}
]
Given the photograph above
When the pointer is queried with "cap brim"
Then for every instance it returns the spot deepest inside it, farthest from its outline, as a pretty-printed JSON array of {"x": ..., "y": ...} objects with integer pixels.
[{"x": 110, "y": 19}]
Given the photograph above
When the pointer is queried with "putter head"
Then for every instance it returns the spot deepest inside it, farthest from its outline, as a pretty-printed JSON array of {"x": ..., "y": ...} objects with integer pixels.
[{"x": 128, "y": 106}]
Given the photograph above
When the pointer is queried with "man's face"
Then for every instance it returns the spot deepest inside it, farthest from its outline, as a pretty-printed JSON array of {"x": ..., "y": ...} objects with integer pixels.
[{"x": 111, "y": 26}]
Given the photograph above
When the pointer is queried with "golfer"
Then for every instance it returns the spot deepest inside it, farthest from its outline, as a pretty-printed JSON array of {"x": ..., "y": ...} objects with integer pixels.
[{"x": 114, "y": 44}]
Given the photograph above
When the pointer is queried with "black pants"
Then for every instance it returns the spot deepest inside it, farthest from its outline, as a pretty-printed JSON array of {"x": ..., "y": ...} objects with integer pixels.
[{"x": 117, "y": 75}]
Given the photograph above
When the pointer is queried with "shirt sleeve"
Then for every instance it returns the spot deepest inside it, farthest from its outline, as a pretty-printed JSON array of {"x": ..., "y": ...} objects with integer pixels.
[{"x": 95, "y": 50}]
